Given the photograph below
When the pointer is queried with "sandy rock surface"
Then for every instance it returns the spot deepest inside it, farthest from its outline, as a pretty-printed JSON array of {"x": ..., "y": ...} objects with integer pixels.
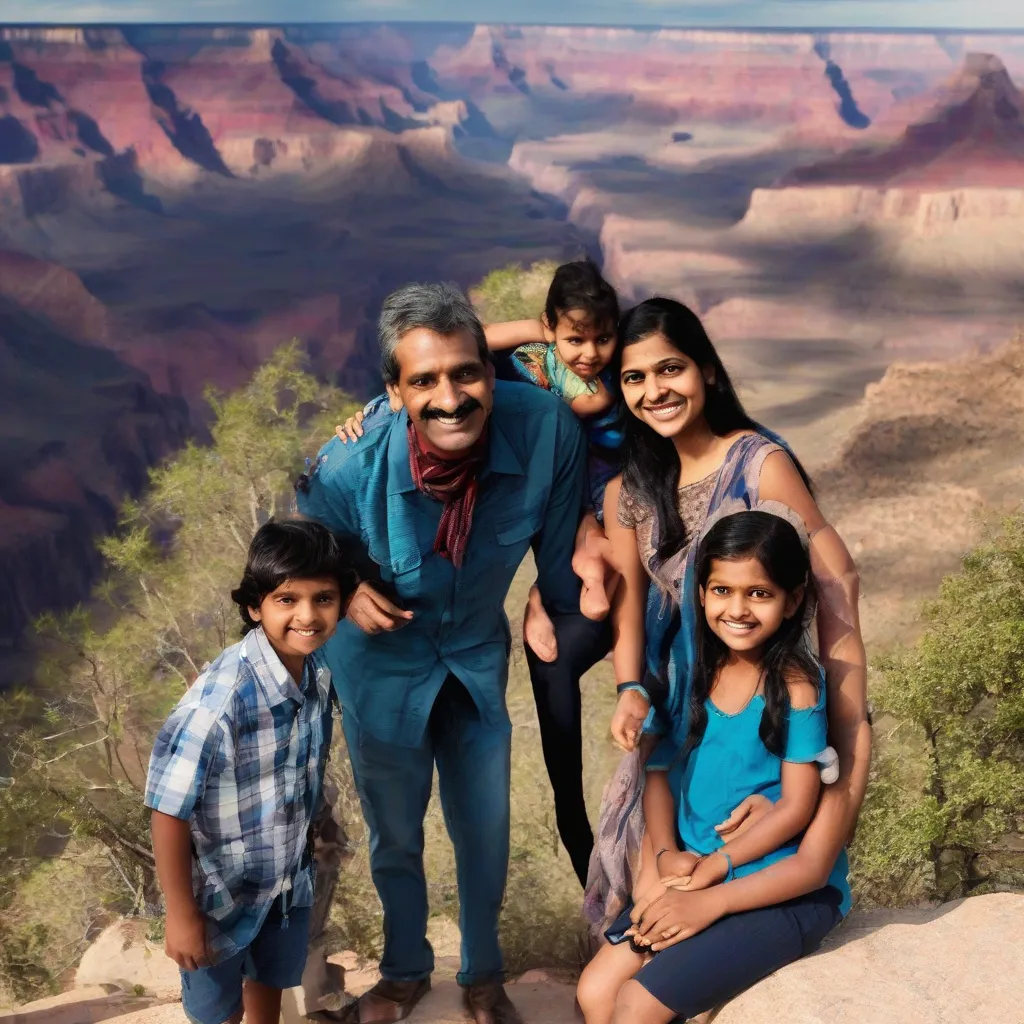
[
  {"x": 959, "y": 962},
  {"x": 123, "y": 956},
  {"x": 947, "y": 965}
]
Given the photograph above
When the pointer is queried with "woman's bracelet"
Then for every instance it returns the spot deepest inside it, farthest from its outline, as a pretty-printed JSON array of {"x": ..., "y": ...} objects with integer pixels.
[
  {"x": 729, "y": 874},
  {"x": 635, "y": 686}
]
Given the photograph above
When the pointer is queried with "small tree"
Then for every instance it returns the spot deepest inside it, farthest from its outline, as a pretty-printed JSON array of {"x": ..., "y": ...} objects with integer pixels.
[
  {"x": 949, "y": 784},
  {"x": 513, "y": 293}
]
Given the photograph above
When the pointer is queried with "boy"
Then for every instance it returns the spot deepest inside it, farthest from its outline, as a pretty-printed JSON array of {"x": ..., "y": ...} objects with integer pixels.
[{"x": 235, "y": 778}]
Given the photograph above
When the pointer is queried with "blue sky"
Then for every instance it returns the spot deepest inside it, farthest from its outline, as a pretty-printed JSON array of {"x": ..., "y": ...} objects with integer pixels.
[{"x": 962, "y": 14}]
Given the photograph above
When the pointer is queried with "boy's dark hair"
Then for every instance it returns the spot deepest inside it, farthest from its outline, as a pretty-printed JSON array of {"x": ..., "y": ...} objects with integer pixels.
[
  {"x": 777, "y": 546},
  {"x": 291, "y": 549},
  {"x": 579, "y": 285}
]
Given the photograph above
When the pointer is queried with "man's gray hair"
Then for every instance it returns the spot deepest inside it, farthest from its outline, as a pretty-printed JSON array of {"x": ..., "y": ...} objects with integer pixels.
[{"x": 438, "y": 307}]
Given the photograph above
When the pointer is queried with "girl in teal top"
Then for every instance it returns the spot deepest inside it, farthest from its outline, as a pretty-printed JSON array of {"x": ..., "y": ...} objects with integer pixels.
[{"x": 756, "y": 725}]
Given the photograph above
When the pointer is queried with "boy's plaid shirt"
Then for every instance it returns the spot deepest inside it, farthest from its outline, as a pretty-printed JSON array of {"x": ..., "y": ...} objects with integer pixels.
[{"x": 242, "y": 758}]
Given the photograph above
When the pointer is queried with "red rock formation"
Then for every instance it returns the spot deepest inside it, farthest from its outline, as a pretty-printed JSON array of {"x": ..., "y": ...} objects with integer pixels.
[
  {"x": 95, "y": 76},
  {"x": 725, "y": 77},
  {"x": 221, "y": 190},
  {"x": 88, "y": 427},
  {"x": 974, "y": 135},
  {"x": 49, "y": 291}
]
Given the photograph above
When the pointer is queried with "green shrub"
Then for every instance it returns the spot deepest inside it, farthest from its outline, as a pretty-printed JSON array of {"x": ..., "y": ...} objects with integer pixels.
[
  {"x": 948, "y": 783},
  {"x": 513, "y": 293}
]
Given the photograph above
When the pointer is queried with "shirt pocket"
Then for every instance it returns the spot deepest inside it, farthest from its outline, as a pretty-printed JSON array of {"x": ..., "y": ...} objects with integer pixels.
[{"x": 513, "y": 537}]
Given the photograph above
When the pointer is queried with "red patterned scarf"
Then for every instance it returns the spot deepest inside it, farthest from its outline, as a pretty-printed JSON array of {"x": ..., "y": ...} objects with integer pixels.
[{"x": 453, "y": 482}]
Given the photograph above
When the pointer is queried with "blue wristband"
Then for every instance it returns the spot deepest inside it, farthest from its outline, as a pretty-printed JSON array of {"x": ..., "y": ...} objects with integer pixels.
[
  {"x": 729, "y": 875},
  {"x": 636, "y": 687}
]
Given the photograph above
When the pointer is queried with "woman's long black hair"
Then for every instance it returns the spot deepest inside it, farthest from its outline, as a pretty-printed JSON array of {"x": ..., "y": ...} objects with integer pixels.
[
  {"x": 776, "y": 544},
  {"x": 650, "y": 461}
]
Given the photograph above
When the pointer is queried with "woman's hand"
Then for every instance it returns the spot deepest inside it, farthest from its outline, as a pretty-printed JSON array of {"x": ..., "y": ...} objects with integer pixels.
[
  {"x": 665, "y": 920},
  {"x": 674, "y": 864},
  {"x": 628, "y": 720},
  {"x": 351, "y": 430},
  {"x": 746, "y": 815},
  {"x": 707, "y": 872},
  {"x": 648, "y": 890}
]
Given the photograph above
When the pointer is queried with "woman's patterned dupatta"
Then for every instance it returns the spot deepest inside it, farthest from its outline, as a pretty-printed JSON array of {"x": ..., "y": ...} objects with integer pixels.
[{"x": 670, "y": 638}]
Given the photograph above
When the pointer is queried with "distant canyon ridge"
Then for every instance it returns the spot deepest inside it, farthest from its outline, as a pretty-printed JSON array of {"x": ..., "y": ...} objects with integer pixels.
[{"x": 177, "y": 202}]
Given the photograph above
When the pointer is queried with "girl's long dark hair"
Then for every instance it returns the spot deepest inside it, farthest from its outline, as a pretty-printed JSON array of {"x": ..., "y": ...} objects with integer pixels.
[
  {"x": 777, "y": 546},
  {"x": 650, "y": 461}
]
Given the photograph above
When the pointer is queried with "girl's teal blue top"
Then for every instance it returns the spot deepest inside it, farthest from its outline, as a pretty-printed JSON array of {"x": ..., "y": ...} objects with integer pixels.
[{"x": 732, "y": 763}]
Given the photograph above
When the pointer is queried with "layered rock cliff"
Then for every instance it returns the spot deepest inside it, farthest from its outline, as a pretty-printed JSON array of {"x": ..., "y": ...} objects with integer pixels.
[
  {"x": 974, "y": 132},
  {"x": 188, "y": 198},
  {"x": 81, "y": 429},
  {"x": 946, "y": 197}
]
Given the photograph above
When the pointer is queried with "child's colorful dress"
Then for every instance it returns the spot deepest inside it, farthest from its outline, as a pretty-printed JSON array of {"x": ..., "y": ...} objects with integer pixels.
[{"x": 538, "y": 363}]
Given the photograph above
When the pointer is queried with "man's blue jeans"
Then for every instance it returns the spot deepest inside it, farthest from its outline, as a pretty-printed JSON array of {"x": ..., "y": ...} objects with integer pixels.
[{"x": 393, "y": 782}]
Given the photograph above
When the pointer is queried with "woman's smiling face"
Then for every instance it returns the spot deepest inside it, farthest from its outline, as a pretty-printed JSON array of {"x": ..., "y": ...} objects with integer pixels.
[{"x": 662, "y": 387}]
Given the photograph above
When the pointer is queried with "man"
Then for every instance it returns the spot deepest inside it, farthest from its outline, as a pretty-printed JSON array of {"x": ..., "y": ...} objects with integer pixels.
[{"x": 446, "y": 498}]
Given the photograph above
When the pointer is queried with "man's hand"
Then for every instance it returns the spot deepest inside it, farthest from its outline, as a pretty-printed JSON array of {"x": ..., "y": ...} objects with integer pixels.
[
  {"x": 592, "y": 562},
  {"x": 538, "y": 629},
  {"x": 185, "y": 938},
  {"x": 628, "y": 720},
  {"x": 665, "y": 920},
  {"x": 746, "y": 815},
  {"x": 373, "y": 613}
]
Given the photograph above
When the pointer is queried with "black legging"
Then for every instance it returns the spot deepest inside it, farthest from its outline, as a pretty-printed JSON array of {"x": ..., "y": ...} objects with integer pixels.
[{"x": 582, "y": 643}]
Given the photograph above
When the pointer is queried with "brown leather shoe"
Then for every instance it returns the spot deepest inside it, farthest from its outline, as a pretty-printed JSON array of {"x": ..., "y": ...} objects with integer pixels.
[
  {"x": 489, "y": 1004},
  {"x": 385, "y": 1003}
]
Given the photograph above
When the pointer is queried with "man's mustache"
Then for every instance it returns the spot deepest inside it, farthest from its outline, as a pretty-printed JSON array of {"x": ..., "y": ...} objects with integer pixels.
[{"x": 464, "y": 408}]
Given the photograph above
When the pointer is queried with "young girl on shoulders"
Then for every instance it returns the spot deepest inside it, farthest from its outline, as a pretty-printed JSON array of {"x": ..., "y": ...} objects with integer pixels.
[
  {"x": 757, "y": 724},
  {"x": 569, "y": 349}
]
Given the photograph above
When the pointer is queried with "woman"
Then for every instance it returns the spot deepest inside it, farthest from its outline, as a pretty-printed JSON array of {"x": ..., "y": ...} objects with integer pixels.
[{"x": 691, "y": 449}]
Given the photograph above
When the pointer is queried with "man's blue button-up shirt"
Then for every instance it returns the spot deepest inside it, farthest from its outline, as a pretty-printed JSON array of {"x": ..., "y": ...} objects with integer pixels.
[{"x": 530, "y": 493}]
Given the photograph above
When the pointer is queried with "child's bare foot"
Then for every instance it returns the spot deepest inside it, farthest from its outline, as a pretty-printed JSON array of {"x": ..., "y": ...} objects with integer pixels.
[
  {"x": 600, "y": 579},
  {"x": 594, "y": 603},
  {"x": 538, "y": 629}
]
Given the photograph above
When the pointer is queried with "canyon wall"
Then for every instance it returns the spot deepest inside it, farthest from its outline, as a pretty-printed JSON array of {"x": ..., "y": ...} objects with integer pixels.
[
  {"x": 175, "y": 202},
  {"x": 922, "y": 213}
]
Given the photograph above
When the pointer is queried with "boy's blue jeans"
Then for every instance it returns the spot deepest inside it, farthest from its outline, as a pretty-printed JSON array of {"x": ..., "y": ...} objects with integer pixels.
[
  {"x": 276, "y": 957},
  {"x": 393, "y": 782}
]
